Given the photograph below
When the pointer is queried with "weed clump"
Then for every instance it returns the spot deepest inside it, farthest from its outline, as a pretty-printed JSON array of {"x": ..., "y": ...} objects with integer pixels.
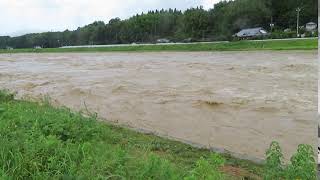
[
  {"x": 208, "y": 169},
  {"x": 302, "y": 164},
  {"x": 6, "y": 96},
  {"x": 274, "y": 167}
]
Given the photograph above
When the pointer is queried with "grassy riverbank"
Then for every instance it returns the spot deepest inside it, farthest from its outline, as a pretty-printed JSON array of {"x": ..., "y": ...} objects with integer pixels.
[
  {"x": 296, "y": 44},
  {"x": 38, "y": 140}
]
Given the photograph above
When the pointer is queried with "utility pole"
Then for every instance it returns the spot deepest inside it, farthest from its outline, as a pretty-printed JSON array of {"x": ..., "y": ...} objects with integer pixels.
[{"x": 298, "y": 14}]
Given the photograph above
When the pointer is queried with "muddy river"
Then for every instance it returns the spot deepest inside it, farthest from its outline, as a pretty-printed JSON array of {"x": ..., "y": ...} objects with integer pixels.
[{"x": 234, "y": 101}]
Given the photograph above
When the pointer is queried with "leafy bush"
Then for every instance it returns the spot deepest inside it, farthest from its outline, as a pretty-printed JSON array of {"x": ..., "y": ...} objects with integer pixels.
[
  {"x": 311, "y": 34},
  {"x": 279, "y": 34},
  {"x": 208, "y": 169},
  {"x": 302, "y": 166},
  {"x": 5, "y": 96},
  {"x": 273, "y": 167},
  {"x": 156, "y": 168}
]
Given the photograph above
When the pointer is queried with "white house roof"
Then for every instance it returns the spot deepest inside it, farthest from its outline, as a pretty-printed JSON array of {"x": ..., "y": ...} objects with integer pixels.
[
  {"x": 251, "y": 32},
  {"x": 311, "y": 26},
  {"x": 311, "y": 23}
]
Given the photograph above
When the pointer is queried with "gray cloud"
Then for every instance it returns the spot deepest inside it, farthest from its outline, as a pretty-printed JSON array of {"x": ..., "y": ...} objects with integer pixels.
[{"x": 25, "y": 16}]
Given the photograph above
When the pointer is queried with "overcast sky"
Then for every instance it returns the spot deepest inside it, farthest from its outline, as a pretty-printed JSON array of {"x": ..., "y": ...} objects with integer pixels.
[{"x": 24, "y": 16}]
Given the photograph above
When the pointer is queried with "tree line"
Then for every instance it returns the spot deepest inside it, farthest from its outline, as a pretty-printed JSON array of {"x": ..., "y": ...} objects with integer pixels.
[{"x": 218, "y": 23}]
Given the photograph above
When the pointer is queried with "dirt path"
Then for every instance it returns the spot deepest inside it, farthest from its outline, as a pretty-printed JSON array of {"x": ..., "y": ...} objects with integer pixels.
[{"x": 238, "y": 101}]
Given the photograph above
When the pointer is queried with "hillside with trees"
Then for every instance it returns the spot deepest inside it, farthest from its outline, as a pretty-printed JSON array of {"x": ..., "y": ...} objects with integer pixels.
[{"x": 218, "y": 23}]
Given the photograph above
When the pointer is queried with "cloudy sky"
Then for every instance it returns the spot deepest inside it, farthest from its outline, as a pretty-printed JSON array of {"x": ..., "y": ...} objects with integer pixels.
[{"x": 24, "y": 16}]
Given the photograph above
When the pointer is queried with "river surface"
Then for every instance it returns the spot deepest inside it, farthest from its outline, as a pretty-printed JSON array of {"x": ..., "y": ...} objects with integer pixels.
[{"x": 234, "y": 101}]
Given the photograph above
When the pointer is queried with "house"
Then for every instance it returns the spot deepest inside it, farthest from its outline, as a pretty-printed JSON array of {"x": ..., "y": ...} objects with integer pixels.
[
  {"x": 163, "y": 41},
  {"x": 188, "y": 40},
  {"x": 287, "y": 30},
  {"x": 251, "y": 32},
  {"x": 311, "y": 27},
  {"x": 37, "y": 47}
]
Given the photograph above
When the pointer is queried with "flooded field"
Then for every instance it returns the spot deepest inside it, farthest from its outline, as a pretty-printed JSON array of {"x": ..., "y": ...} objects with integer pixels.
[{"x": 237, "y": 101}]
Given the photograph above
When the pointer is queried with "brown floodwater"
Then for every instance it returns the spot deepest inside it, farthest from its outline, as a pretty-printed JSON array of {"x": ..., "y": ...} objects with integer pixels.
[{"x": 234, "y": 101}]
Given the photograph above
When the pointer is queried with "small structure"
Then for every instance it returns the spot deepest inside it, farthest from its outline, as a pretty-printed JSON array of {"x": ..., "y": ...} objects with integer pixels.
[
  {"x": 9, "y": 48},
  {"x": 163, "y": 41},
  {"x": 188, "y": 40},
  {"x": 287, "y": 30},
  {"x": 251, "y": 32},
  {"x": 311, "y": 27},
  {"x": 37, "y": 47}
]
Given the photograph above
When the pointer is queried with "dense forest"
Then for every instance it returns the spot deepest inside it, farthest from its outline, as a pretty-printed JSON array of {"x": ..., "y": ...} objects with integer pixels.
[{"x": 218, "y": 23}]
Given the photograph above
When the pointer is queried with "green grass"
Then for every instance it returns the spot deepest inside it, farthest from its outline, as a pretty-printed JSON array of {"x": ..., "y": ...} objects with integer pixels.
[
  {"x": 39, "y": 141},
  {"x": 300, "y": 44}
]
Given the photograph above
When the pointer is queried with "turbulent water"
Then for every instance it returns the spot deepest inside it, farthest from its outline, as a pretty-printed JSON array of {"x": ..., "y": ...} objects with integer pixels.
[{"x": 237, "y": 101}]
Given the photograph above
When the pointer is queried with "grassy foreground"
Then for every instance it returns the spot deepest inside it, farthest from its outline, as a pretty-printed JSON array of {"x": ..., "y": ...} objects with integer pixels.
[
  {"x": 300, "y": 44},
  {"x": 39, "y": 141}
]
